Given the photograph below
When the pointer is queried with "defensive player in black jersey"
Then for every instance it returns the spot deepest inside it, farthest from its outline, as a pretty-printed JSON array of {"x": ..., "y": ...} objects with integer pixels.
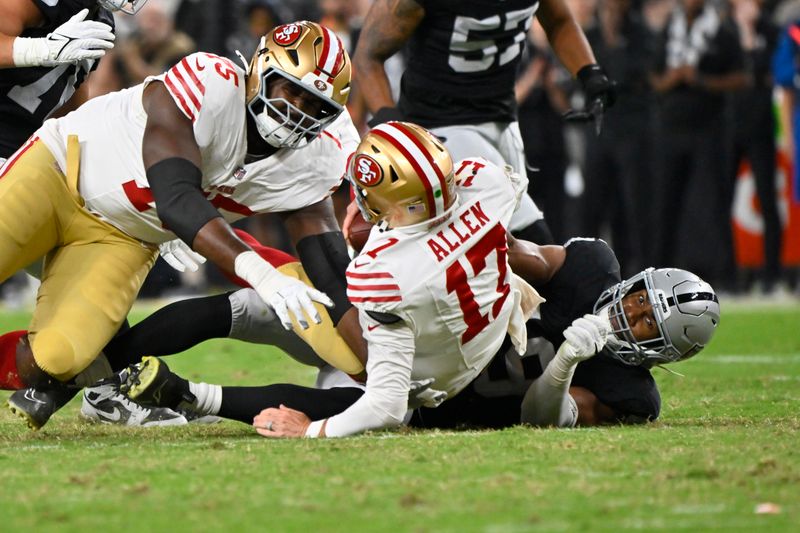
[
  {"x": 47, "y": 49},
  {"x": 462, "y": 58},
  {"x": 577, "y": 279}
]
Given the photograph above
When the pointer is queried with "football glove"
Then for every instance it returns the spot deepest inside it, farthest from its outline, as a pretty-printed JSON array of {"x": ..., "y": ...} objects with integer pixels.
[
  {"x": 586, "y": 337},
  {"x": 287, "y": 296},
  {"x": 600, "y": 94},
  {"x": 420, "y": 394},
  {"x": 179, "y": 256},
  {"x": 74, "y": 41}
]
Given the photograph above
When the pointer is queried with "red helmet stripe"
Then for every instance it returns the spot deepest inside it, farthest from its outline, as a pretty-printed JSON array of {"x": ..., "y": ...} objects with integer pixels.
[
  {"x": 414, "y": 163},
  {"x": 427, "y": 154},
  {"x": 332, "y": 52}
]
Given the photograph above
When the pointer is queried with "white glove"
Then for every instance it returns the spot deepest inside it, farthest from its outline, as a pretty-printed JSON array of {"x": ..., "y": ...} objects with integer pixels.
[
  {"x": 75, "y": 40},
  {"x": 179, "y": 256},
  {"x": 283, "y": 293},
  {"x": 586, "y": 336},
  {"x": 420, "y": 394}
]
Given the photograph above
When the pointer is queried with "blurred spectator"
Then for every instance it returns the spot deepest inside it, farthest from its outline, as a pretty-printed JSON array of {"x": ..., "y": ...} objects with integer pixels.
[
  {"x": 754, "y": 126},
  {"x": 258, "y": 18},
  {"x": 617, "y": 171},
  {"x": 152, "y": 46},
  {"x": 698, "y": 60}
]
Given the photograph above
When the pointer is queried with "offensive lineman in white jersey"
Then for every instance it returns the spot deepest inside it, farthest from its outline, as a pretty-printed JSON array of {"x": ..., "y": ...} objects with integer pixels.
[{"x": 97, "y": 190}]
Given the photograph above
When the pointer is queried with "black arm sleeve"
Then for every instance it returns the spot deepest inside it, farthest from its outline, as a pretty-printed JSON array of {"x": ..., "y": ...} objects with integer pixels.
[
  {"x": 325, "y": 259},
  {"x": 181, "y": 206}
]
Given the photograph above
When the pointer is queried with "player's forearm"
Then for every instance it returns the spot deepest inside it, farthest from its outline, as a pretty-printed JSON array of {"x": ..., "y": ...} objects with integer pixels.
[
  {"x": 6, "y": 51},
  {"x": 535, "y": 264},
  {"x": 373, "y": 85},
  {"x": 385, "y": 402},
  {"x": 387, "y": 27},
  {"x": 565, "y": 35},
  {"x": 217, "y": 242}
]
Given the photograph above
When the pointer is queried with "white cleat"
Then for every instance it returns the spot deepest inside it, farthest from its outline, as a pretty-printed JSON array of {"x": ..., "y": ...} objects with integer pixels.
[{"x": 104, "y": 403}]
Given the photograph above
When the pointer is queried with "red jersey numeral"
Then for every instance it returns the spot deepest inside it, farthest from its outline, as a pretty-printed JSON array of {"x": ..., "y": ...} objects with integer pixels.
[
  {"x": 374, "y": 252},
  {"x": 466, "y": 182},
  {"x": 224, "y": 68},
  {"x": 458, "y": 281}
]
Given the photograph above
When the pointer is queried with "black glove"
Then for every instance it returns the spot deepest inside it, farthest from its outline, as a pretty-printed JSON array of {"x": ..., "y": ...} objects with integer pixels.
[
  {"x": 385, "y": 114},
  {"x": 600, "y": 95}
]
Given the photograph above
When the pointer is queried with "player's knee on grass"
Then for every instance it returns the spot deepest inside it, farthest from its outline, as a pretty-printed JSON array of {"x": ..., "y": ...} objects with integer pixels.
[{"x": 55, "y": 354}]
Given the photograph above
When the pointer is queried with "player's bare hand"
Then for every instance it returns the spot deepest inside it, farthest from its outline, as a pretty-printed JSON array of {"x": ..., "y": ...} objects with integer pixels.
[
  {"x": 349, "y": 217},
  {"x": 283, "y": 422}
]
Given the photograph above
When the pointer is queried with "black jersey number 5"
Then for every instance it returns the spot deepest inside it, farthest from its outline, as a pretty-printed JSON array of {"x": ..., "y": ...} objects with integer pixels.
[{"x": 477, "y": 44}]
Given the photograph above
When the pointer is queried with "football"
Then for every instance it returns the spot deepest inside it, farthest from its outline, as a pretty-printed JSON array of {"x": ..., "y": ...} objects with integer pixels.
[{"x": 359, "y": 233}]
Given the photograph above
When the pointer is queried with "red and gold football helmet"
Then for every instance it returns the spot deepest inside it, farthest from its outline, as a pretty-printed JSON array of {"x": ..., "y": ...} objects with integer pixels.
[
  {"x": 312, "y": 58},
  {"x": 402, "y": 175}
]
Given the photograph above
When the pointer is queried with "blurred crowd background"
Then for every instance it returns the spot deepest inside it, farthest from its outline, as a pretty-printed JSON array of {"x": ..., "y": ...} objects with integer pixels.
[{"x": 683, "y": 174}]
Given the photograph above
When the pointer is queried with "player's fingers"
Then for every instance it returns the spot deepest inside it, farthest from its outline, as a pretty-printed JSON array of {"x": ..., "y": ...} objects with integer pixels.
[
  {"x": 79, "y": 16},
  {"x": 297, "y": 311},
  {"x": 95, "y": 44},
  {"x": 349, "y": 217},
  {"x": 308, "y": 307},
  {"x": 321, "y": 297},
  {"x": 279, "y": 306},
  {"x": 172, "y": 261},
  {"x": 89, "y": 54},
  {"x": 186, "y": 257}
]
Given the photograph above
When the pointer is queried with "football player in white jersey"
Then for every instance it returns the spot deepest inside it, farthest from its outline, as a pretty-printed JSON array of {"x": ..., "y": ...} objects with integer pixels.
[
  {"x": 435, "y": 295},
  {"x": 181, "y": 155}
]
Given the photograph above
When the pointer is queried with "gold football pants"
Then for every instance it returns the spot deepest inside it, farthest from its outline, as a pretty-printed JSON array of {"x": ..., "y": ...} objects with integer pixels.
[
  {"x": 323, "y": 337},
  {"x": 92, "y": 271}
]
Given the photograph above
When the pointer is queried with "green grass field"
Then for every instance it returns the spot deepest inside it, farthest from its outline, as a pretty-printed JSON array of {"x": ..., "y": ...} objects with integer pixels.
[{"x": 727, "y": 441}]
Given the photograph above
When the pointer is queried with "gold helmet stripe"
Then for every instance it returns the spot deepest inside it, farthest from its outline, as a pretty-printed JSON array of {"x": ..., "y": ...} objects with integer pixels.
[
  {"x": 406, "y": 144},
  {"x": 332, "y": 55}
]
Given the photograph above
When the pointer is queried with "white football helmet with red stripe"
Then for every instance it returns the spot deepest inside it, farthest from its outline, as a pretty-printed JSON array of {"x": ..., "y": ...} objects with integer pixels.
[
  {"x": 310, "y": 56},
  {"x": 402, "y": 175}
]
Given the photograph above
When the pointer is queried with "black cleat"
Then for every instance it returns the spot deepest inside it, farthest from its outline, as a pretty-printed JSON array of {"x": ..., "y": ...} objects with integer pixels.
[
  {"x": 36, "y": 406},
  {"x": 152, "y": 384}
]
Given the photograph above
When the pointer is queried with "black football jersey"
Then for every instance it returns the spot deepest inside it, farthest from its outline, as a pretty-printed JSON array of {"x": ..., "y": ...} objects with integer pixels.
[
  {"x": 29, "y": 95},
  {"x": 493, "y": 399},
  {"x": 462, "y": 61}
]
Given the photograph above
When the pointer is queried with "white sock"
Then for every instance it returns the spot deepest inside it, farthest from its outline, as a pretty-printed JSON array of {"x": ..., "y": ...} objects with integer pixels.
[
  {"x": 547, "y": 401},
  {"x": 209, "y": 397}
]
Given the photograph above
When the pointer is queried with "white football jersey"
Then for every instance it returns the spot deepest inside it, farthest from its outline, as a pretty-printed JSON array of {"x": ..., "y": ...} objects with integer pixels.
[
  {"x": 210, "y": 91},
  {"x": 450, "y": 284}
]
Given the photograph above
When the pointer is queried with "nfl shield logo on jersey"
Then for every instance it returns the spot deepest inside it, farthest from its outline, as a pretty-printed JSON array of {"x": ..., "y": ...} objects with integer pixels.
[{"x": 239, "y": 173}]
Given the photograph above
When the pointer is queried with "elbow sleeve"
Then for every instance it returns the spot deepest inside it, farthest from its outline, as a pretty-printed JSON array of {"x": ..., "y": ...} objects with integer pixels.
[{"x": 176, "y": 184}]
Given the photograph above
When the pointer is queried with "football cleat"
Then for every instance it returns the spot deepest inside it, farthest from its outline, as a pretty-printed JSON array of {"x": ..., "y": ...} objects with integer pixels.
[
  {"x": 195, "y": 417},
  {"x": 104, "y": 403},
  {"x": 36, "y": 406},
  {"x": 151, "y": 383}
]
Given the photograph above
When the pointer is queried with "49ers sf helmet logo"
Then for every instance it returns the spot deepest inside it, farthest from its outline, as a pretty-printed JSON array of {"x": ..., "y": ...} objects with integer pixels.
[
  {"x": 287, "y": 34},
  {"x": 367, "y": 171}
]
